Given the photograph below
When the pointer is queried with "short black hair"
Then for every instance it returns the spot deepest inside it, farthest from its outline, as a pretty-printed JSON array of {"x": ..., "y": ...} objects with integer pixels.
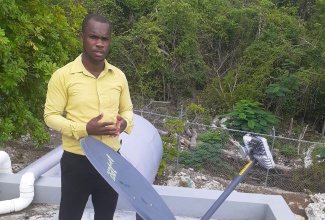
[{"x": 96, "y": 17}]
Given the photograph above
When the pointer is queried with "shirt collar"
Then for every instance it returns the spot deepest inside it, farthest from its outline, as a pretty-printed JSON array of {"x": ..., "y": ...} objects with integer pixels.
[{"x": 78, "y": 67}]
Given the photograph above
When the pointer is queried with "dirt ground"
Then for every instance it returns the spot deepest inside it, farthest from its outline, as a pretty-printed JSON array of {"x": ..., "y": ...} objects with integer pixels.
[
  {"x": 22, "y": 153},
  {"x": 297, "y": 202}
]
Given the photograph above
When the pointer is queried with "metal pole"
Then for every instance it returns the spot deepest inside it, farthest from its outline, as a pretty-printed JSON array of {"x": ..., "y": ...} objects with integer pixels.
[
  {"x": 229, "y": 189},
  {"x": 178, "y": 139},
  {"x": 178, "y": 146},
  {"x": 267, "y": 172}
]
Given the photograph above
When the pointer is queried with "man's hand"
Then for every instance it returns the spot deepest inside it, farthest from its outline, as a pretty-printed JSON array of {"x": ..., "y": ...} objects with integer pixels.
[
  {"x": 95, "y": 127},
  {"x": 120, "y": 124}
]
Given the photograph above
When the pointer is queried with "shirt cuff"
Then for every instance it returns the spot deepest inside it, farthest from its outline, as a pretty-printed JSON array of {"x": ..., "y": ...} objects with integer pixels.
[
  {"x": 80, "y": 131},
  {"x": 129, "y": 126}
]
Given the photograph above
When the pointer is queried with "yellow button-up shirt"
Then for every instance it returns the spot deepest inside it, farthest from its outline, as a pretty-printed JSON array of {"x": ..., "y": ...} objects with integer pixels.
[{"x": 75, "y": 96}]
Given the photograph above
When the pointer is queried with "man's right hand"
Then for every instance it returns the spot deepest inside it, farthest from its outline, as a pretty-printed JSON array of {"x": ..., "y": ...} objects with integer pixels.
[{"x": 95, "y": 127}]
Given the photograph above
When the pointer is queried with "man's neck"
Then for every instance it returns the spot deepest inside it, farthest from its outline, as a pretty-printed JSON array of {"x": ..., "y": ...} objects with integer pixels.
[{"x": 95, "y": 68}]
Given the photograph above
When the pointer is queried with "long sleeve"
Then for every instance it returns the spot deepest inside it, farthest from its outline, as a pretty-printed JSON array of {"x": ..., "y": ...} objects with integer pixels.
[
  {"x": 126, "y": 107},
  {"x": 56, "y": 101}
]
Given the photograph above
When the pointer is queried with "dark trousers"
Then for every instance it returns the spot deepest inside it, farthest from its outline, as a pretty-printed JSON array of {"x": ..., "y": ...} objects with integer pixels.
[
  {"x": 79, "y": 180},
  {"x": 138, "y": 217}
]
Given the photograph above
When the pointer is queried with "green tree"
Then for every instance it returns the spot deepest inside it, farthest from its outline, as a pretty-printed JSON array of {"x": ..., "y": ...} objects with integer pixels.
[
  {"x": 35, "y": 40},
  {"x": 274, "y": 38},
  {"x": 279, "y": 95},
  {"x": 229, "y": 27}
]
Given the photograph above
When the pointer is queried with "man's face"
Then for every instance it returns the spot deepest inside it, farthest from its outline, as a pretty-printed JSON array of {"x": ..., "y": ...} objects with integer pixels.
[{"x": 96, "y": 40}]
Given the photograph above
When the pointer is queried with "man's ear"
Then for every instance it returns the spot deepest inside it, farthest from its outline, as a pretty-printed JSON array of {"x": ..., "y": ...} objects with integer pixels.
[{"x": 81, "y": 36}]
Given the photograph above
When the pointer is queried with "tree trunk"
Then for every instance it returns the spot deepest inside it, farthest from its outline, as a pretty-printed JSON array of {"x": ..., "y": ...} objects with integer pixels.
[{"x": 323, "y": 129}]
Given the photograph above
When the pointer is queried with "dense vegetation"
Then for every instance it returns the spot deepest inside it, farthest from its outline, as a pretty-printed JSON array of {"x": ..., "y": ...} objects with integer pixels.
[{"x": 214, "y": 53}]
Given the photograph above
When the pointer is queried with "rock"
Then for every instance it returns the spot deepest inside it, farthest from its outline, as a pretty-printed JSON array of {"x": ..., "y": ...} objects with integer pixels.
[
  {"x": 213, "y": 185},
  {"x": 308, "y": 158},
  {"x": 298, "y": 217},
  {"x": 318, "y": 198},
  {"x": 315, "y": 211}
]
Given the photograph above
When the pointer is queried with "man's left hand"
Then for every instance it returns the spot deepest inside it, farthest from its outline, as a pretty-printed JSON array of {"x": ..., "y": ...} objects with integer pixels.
[{"x": 120, "y": 124}]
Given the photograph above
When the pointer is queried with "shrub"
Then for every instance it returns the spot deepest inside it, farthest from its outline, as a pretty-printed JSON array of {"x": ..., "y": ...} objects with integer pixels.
[
  {"x": 173, "y": 126},
  {"x": 206, "y": 156},
  {"x": 288, "y": 151},
  {"x": 249, "y": 116},
  {"x": 309, "y": 178},
  {"x": 318, "y": 152}
]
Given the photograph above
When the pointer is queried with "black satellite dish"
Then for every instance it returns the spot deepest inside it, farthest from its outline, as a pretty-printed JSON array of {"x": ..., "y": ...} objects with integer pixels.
[{"x": 126, "y": 180}]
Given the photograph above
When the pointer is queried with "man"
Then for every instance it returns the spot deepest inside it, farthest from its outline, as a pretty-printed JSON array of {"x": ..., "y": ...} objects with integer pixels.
[{"x": 88, "y": 97}]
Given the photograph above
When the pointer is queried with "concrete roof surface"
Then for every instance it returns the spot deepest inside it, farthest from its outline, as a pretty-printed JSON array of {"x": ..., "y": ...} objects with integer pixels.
[{"x": 50, "y": 212}]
